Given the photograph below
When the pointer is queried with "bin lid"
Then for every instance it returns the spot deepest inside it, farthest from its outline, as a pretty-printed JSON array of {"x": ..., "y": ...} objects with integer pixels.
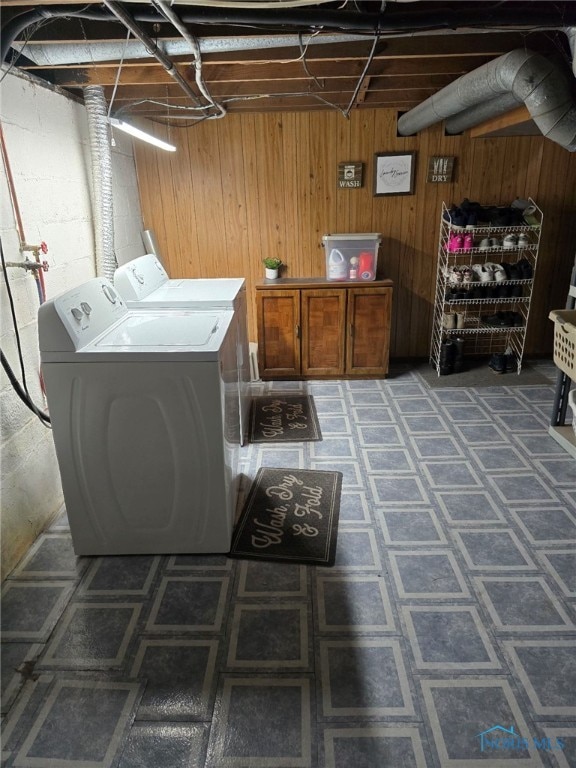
[{"x": 351, "y": 236}]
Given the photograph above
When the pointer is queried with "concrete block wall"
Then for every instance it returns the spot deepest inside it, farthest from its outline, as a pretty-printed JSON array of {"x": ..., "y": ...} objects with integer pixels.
[{"x": 47, "y": 142}]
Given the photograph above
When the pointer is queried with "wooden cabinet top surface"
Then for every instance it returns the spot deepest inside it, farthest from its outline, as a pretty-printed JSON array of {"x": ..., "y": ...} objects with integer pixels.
[{"x": 284, "y": 283}]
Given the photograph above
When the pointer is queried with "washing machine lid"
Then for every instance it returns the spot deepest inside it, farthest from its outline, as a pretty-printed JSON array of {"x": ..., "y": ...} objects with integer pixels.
[
  {"x": 215, "y": 293},
  {"x": 162, "y": 335}
]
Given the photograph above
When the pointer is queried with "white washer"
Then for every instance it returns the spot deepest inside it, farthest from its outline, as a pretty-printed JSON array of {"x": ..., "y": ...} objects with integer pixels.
[
  {"x": 144, "y": 284},
  {"x": 144, "y": 409}
]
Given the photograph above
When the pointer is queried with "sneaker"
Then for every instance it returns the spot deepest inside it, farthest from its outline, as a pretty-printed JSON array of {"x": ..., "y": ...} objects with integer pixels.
[
  {"x": 514, "y": 272},
  {"x": 467, "y": 275},
  {"x": 510, "y": 241},
  {"x": 468, "y": 243},
  {"x": 499, "y": 273},
  {"x": 449, "y": 321},
  {"x": 526, "y": 271},
  {"x": 456, "y": 243},
  {"x": 455, "y": 276},
  {"x": 484, "y": 273},
  {"x": 497, "y": 363},
  {"x": 484, "y": 244},
  {"x": 495, "y": 242},
  {"x": 523, "y": 241}
]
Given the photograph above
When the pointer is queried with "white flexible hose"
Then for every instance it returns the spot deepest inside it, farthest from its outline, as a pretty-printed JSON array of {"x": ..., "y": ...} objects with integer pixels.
[{"x": 101, "y": 157}]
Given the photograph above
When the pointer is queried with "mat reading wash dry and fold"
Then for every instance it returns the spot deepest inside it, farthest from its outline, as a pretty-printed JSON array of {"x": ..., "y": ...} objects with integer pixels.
[
  {"x": 290, "y": 515},
  {"x": 284, "y": 419}
]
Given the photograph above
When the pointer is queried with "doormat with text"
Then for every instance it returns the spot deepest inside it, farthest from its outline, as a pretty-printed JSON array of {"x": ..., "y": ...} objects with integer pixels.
[
  {"x": 290, "y": 515},
  {"x": 283, "y": 419}
]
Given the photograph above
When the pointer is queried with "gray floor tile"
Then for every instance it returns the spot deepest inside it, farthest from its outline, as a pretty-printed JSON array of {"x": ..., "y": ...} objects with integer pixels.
[
  {"x": 92, "y": 636},
  {"x": 353, "y": 604},
  {"x": 51, "y": 557},
  {"x": 414, "y": 527},
  {"x": 425, "y": 575},
  {"x": 364, "y": 677},
  {"x": 189, "y": 603},
  {"x": 449, "y": 638},
  {"x": 166, "y": 745},
  {"x": 30, "y": 610},
  {"x": 265, "y": 721},
  {"x": 546, "y": 670},
  {"x": 111, "y": 576},
  {"x": 269, "y": 636},
  {"x": 180, "y": 678},
  {"x": 462, "y": 714},
  {"x": 377, "y": 744}
]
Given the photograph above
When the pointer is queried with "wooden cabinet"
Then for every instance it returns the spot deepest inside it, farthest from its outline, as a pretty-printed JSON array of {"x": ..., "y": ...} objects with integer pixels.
[{"x": 318, "y": 329}]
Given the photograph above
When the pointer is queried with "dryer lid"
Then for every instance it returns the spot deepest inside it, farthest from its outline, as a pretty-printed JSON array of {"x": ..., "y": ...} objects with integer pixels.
[{"x": 194, "y": 293}]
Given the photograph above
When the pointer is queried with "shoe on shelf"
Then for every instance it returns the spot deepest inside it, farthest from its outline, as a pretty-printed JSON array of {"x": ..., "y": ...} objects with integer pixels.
[
  {"x": 497, "y": 363},
  {"x": 467, "y": 275},
  {"x": 484, "y": 272},
  {"x": 455, "y": 276},
  {"x": 495, "y": 242},
  {"x": 510, "y": 241},
  {"x": 468, "y": 243},
  {"x": 499, "y": 273},
  {"x": 449, "y": 321},
  {"x": 456, "y": 243},
  {"x": 523, "y": 241},
  {"x": 525, "y": 269},
  {"x": 484, "y": 244}
]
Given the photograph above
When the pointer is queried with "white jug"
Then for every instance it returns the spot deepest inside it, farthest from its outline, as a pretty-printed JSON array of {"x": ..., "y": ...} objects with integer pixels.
[{"x": 337, "y": 267}]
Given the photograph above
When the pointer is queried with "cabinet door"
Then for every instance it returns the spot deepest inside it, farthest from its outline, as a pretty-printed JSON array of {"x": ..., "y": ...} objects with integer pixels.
[
  {"x": 368, "y": 331},
  {"x": 323, "y": 324},
  {"x": 278, "y": 333}
]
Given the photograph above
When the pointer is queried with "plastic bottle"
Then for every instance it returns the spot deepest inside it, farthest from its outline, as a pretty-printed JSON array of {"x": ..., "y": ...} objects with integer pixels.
[
  {"x": 366, "y": 266},
  {"x": 337, "y": 269}
]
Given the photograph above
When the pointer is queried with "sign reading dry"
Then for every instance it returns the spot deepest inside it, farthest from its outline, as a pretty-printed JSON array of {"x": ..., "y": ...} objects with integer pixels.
[{"x": 440, "y": 169}]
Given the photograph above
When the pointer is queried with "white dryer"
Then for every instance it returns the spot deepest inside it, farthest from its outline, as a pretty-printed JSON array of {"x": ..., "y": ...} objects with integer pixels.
[
  {"x": 144, "y": 284},
  {"x": 144, "y": 409}
]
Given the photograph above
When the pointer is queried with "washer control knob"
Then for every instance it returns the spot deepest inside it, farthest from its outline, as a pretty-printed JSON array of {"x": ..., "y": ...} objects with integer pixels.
[{"x": 77, "y": 313}]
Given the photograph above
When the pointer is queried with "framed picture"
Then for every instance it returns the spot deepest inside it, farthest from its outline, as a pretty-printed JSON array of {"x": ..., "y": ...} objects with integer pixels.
[{"x": 394, "y": 173}]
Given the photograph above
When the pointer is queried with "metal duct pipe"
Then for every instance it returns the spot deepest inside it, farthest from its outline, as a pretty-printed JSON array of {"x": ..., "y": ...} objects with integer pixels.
[
  {"x": 528, "y": 76},
  {"x": 101, "y": 180}
]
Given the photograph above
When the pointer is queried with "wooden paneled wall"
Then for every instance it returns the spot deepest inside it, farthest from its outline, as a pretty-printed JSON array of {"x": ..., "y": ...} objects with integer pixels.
[{"x": 249, "y": 186}]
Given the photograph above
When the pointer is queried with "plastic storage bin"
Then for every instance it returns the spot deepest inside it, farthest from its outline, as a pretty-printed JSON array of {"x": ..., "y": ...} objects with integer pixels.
[
  {"x": 351, "y": 257},
  {"x": 565, "y": 340}
]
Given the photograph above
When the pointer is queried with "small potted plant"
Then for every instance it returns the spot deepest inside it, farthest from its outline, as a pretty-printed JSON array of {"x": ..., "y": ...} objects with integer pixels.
[{"x": 272, "y": 266}]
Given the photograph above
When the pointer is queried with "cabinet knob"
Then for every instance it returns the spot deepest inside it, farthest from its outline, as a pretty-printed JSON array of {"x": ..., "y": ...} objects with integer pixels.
[{"x": 297, "y": 331}]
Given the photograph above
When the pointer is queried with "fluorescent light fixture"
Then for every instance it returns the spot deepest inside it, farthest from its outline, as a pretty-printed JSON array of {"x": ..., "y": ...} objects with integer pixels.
[{"x": 137, "y": 133}]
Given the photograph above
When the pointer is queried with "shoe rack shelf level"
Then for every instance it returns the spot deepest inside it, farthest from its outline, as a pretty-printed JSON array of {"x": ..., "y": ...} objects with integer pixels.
[{"x": 491, "y": 315}]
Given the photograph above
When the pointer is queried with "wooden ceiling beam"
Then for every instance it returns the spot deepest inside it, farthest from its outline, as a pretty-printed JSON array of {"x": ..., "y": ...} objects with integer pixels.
[
  {"x": 517, "y": 122},
  {"x": 154, "y": 74}
]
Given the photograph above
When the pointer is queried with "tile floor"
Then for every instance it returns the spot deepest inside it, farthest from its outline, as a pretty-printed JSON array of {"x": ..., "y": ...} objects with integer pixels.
[{"x": 451, "y": 610}]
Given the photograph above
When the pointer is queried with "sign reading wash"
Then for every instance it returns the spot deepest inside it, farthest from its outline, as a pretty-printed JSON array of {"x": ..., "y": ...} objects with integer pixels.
[{"x": 505, "y": 739}]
